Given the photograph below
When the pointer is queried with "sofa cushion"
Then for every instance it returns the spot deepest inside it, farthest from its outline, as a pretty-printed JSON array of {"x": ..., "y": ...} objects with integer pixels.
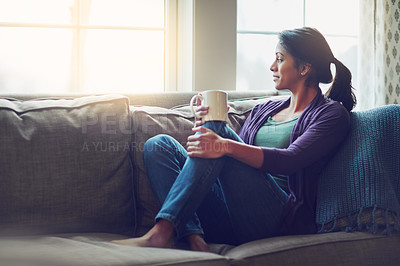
[
  {"x": 66, "y": 166},
  {"x": 339, "y": 248},
  {"x": 178, "y": 122},
  {"x": 95, "y": 249}
]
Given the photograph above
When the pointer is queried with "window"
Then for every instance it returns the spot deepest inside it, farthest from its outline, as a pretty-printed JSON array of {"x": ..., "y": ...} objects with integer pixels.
[
  {"x": 259, "y": 22},
  {"x": 82, "y": 46}
]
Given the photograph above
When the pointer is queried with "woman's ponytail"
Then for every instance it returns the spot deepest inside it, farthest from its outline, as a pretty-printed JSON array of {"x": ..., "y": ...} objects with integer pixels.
[{"x": 341, "y": 89}]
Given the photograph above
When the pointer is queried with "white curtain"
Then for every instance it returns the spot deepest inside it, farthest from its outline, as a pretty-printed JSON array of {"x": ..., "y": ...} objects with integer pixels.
[{"x": 379, "y": 57}]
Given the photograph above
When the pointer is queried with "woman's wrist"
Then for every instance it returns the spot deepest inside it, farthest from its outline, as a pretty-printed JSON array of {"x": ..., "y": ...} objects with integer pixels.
[
  {"x": 229, "y": 147},
  {"x": 248, "y": 154}
]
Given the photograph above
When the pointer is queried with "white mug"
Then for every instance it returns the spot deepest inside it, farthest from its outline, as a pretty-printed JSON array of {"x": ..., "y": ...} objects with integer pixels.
[{"x": 217, "y": 101}]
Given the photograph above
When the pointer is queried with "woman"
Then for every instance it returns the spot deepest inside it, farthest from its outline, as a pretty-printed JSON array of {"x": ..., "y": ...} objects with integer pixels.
[{"x": 228, "y": 188}]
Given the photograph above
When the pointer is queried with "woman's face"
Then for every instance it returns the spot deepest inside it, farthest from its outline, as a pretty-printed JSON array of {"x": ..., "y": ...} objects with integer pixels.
[{"x": 285, "y": 73}]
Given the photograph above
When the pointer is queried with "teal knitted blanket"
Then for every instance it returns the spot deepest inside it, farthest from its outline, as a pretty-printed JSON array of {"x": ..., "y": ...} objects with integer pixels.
[{"x": 364, "y": 175}]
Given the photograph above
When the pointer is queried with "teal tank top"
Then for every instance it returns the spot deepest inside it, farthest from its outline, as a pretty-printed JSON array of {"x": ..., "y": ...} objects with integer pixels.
[{"x": 276, "y": 135}]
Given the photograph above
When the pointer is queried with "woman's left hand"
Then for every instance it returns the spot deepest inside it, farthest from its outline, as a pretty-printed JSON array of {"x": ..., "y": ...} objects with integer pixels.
[{"x": 206, "y": 145}]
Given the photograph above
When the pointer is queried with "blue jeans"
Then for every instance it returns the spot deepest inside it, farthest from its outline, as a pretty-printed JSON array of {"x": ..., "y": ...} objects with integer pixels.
[{"x": 223, "y": 199}]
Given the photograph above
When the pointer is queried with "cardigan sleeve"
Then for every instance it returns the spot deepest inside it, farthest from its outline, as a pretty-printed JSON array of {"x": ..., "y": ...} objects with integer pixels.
[{"x": 321, "y": 134}]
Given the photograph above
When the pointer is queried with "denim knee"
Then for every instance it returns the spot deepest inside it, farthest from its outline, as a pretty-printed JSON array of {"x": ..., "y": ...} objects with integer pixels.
[
  {"x": 157, "y": 144},
  {"x": 155, "y": 141}
]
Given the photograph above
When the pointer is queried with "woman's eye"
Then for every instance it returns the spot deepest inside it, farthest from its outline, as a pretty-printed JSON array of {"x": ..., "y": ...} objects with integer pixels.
[{"x": 279, "y": 60}]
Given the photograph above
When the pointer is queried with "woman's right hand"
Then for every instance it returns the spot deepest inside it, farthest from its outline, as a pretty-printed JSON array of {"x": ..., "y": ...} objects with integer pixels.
[{"x": 201, "y": 111}]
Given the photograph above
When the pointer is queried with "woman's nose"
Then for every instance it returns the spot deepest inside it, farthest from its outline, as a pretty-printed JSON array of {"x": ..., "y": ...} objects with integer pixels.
[{"x": 272, "y": 66}]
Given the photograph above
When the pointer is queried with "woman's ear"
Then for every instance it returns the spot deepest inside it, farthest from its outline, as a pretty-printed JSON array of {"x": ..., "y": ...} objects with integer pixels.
[{"x": 305, "y": 69}]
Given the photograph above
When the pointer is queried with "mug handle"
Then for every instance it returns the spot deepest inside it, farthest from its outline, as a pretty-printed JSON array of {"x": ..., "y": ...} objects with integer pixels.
[{"x": 194, "y": 98}]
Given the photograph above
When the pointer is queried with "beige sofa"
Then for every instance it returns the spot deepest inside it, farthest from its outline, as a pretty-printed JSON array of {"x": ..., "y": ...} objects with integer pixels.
[{"x": 73, "y": 179}]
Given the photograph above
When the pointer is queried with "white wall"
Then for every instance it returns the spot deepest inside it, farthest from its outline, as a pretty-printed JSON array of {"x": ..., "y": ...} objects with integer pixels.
[{"x": 214, "y": 44}]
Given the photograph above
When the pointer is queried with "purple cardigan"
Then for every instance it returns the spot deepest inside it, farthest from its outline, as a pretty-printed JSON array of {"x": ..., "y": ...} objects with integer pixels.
[{"x": 316, "y": 136}]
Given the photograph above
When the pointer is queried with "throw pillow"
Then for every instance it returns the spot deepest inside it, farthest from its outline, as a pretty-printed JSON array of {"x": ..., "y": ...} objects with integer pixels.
[{"x": 66, "y": 166}]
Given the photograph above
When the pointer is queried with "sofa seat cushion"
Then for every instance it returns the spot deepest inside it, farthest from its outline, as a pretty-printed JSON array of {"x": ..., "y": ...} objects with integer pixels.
[
  {"x": 66, "y": 166},
  {"x": 94, "y": 249},
  {"x": 338, "y": 248}
]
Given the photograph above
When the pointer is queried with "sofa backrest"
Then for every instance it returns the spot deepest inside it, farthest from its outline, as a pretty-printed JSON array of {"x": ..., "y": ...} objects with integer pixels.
[
  {"x": 159, "y": 99},
  {"x": 67, "y": 160},
  {"x": 65, "y": 166}
]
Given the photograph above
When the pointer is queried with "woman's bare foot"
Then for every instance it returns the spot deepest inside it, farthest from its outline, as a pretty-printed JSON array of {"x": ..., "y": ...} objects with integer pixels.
[
  {"x": 197, "y": 243},
  {"x": 160, "y": 236}
]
